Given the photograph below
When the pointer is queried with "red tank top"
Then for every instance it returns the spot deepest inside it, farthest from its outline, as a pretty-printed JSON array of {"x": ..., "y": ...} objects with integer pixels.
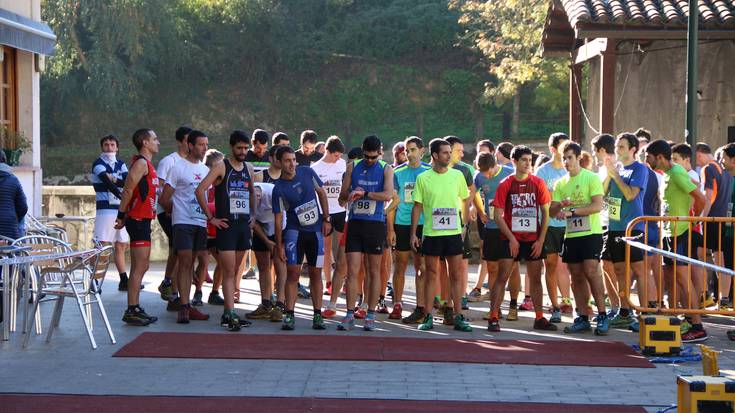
[{"x": 143, "y": 204}]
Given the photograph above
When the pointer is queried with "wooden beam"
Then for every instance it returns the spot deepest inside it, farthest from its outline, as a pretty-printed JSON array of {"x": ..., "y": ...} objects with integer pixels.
[
  {"x": 607, "y": 89},
  {"x": 638, "y": 33},
  {"x": 590, "y": 50},
  {"x": 575, "y": 106}
]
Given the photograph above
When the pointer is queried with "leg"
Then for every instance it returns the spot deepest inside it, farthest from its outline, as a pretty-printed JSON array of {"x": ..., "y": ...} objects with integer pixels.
[
  {"x": 533, "y": 270},
  {"x": 563, "y": 279},
  {"x": 354, "y": 264},
  {"x": 514, "y": 282},
  {"x": 338, "y": 276},
  {"x": 120, "y": 248},
  {"x": 550, "y": 264},
  {"x": 505, "y": 268},
  {"x": 457, "y": 281},
  {"x": 579, "y": 286},
  {"x": 327, "y": 260},
  {"x": 420, "y": 279},
  {"x": 592, "y": 274},
  {"x": 292, "y": 281},
  {"x": 316, "y": 287},
  {"x": 265, "y": 278},
  {"x": 611, "y": 283},
  {"x": 139, "y": 262},
  {"x": 373, "y": 274},
  {"x": 399, "y": 275},
  {"x": 227, "y": 260},
  {"x": 431, "y": 281},
  {"x": 185, "y": 267},
  {"x": 444, "y": 291}
]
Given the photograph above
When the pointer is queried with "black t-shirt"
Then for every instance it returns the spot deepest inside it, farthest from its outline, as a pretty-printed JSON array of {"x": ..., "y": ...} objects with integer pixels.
[
  {"x": 307, "y": 160},
  {"x": 258, "y": 163}
]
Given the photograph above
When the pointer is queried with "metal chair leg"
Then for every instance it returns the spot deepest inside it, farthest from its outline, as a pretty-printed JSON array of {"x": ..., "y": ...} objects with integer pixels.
[
  {"x": 104, "y": 317},
  {"x": 55, "y": 317},
  {"x": 83, "y": 312},
  {"x": 34, "y": 314}
]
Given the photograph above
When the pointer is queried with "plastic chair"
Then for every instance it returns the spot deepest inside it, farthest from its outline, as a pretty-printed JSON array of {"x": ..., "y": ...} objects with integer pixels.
[{"x": 77, "y": 281}]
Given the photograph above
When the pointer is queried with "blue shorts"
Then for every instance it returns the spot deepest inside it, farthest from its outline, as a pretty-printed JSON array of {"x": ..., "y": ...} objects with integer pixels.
[
  {"x": 653, "y": 236},
  {"x": 302, "y": 243}
]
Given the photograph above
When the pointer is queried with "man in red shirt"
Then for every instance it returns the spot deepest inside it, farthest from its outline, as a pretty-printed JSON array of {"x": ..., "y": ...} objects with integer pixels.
[{"x": 519, "y": 200}]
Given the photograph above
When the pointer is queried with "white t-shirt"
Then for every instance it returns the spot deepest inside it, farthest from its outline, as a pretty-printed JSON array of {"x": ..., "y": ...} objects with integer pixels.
[
  {"x": 184, "y": 178},
  {"x": 164, "y": 168},
  {"x": 264, "y": 209},
  {"x": 331, "y": 175},
  {"x": 695, "y": 177}
]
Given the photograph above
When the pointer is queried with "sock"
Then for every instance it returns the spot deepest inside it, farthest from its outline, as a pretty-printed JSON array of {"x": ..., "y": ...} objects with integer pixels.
[
  {"x": 370, "y": 315},
  {"x": 317, "y": 311},
  {"x": 267, "y": 303},
  {"x": 350, "y": 313},
  {"x": 513, "y": 303},
  {"x": 539, "y": 314},
  {"x": 624, "y": 312},
  {"x": 527, "y": 297},
  {"x": 585, "y": 318},
  {"x": 697, "y": 327},
  {"x": 652, "y": 304},
  {"x": 494, "y": 314},
  {"x": 123, "y": 275},
  {"x": 280, "y": 305},
  {"x": 289, "y": 312},
  {"x": 557, "y": 308},
  {"x": 420, "y": 309},
  {"x": 601, "y": 314},
  {"x": 167, "y": 280},
  {"x": 132, "y": 308}
]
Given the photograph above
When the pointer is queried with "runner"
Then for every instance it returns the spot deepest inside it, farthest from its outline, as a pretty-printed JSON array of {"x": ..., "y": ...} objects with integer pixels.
[
  {"x": 257, "y": 156},
  {"x": 306, "y": 155},
  {"x": 440, "y": 194},
  {"x": 280, "y": 138},
  {"x": 210, "y": 158},
  {"x": 679, "y": 192},
  {"x": 108, "y": 177},
  {"x": 331, "y": 169},
  {"x": 603, "y": 147},
  {"x": 399, "y": 230},
  {"x": 518, "y": 200},
  {"x": 299, "y": 193},
  {"x": 367, "y": 185},
  {"x": 502, "y": 154},
  {"x": 136, "y": 210},
  {"x": 482, "y": 272},
  {"x": 728, "y": 161},
  {"x": 188, "y": 218},
  {"x": 273, "y": 172},
  {"x": 556, "y": 274},
  {"x": 168, "y": 288},
  {"x": 625, "y": 189},
  {"x": 577, "y": 197},
  {"x": 234, "y": 201}
]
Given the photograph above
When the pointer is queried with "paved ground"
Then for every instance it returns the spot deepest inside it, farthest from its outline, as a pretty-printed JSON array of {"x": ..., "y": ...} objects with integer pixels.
[{"x": 68, "y": 365}]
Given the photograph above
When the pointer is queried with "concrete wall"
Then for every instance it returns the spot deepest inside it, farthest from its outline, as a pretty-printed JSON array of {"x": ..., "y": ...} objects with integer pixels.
[{"x": 654, "y": 94}]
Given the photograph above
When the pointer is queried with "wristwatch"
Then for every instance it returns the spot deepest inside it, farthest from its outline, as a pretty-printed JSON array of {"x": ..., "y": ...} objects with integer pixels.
[
  {"x": 327, "y": 219},
  {"x": 573, "y": 211}
]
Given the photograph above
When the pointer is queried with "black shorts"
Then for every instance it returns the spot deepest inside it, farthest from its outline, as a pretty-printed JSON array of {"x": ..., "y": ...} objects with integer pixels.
[
  {"x": 682, "y": 246},
  {"x": 440, "y": 246},
  {"x": 367, "y": 237},
  {"x": 139, "y": 232},
  {"x": 713, "y": 236},
  {"x": 578, "y": 249},
  {"x": 480, "y": 229},
  {"x": 728, "y": 255},
  {"x": 211, "y": 243},
  {"x": 403, "y": 236},
  {"x": 466, "y": 245},
  {"x": 301, "y": 243},
  {"x": 614, "y": 250},
  {"x": 259, "y": 245},
  {"x": 524, "y": 251},
  {"x": 164, "y": 220},
  {"x": 554, "y": 240},
  {"x": 492, "y": 247},
  {"x": 338, "y": 221},
  {"x": 235, "y": 238},
  {"x": 190, "y": 237}
]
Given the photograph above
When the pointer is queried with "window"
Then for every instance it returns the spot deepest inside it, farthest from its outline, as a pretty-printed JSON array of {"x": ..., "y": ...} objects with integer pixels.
[{"x": 8, "y": 91}]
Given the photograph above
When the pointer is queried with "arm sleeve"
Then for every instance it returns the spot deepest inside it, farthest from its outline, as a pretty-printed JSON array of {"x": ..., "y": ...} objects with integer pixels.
[
  {"x": 708, "y": 176},
  {"x": 684, "y": 182},
  {"x": 595, "y": 186},
  {"x": 276, "y": 200},
  {"x": 417, "y": 194},
  {"x": 464, "y": 192},
  {"x": 315, "y": 179},
  {"x": 543, "y": 193},
  {"x": 123, "y": 175},
  {"x": 171, "y": 178},
  {"x": 21, "y": 205},
  {"x": 639, "y": 177},
  {"x": 500, "y": 195}
]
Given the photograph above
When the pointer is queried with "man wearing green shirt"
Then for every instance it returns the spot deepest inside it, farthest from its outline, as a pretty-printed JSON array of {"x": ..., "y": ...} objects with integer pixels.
[
  {"x": 577, "y": 198},
  {"x": 679, "y": 193},
  {"x": 440, "y": 194}
]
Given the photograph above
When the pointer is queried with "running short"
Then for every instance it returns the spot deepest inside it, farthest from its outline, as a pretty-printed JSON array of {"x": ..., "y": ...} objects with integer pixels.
[
  {"x": 653, "y": 237},
  {"x": 578, "y": 249},
  {"x": 713, "y": 236},
  {"x": 403, "y": 236},
  {"x": 190, "y": 237},
  {"x": 614, "y": 250},
  {"x": 139, "y": 232},
  {"x": 466, "y": 245},
  {"x": 211, "y": 243},
  {"x": 492, "y": 247},
  {"x": 259, "y": 245},
  {"x": 367, "y": 237},
  {"x": 104, "y": 229},
  {"x": 234, "y": 238},
  {"x": 525, "y": 249},
  {"x": 554, "y": 240},
  {"x": 682, "y": 246},
  {"x": 338, "y": 221},
  {"x": 728, "y": 255},
  {"x": 442, "y": 245},
  {"x": 164, "y": 220},
  {"x": 301, "y": 243}
]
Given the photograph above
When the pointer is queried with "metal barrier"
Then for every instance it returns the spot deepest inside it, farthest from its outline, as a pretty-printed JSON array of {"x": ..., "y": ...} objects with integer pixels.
[{"x": 690, "y": 260}]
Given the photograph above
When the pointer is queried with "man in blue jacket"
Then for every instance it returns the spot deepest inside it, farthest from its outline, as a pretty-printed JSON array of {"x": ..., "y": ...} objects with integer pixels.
[{"x": 13, "y": 205}]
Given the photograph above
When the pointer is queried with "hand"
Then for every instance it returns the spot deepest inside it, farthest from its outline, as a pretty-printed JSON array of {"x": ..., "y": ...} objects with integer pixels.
[
  {"x": 514, "y": 246},
  {"x": 279, "y": 252},
  {"x": 270, "y": 244},
  {"x": 566, "y": 202},
  {"x": 473, "y": 214},
  {"x": 356, "y": 194},
  {"x": 326, "y": 228},
  {"x": 219, "y": 223},
  {"x": 391, "y": 238},
  {"x": 483, "y": 217},
  {"x": 415, "y": 243},
  {"x": 562, "y": 215},
  {"x": 252, "y": 222},
  {"x": 537, "y": 248},
  {"x": 610, "y": 166},
  {"x": 119, "y": 223}
]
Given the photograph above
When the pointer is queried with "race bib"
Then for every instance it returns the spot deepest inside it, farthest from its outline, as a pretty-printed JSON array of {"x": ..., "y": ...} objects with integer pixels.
[
  {"x": 364, "y": 207},
  {"x": 444, "y": 218},
  {"x": 307, "y": 214},
  {"x": 196, "y": 211},
  {"x": 408, "y": 192},
  {"x": 578, "y": 224},
  {"x": 112, "y": 199},
  {"x": 614, "y": 206},
  {"x": 239, "y": 202},
  {"x": 332, "y": 189},
  {"x": 523, "y": 224}
]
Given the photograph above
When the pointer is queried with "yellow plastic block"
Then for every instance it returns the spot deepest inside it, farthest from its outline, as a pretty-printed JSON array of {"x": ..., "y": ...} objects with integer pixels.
[
  {"x": 660, "y": 335},
  {"x": 704, "y": 394}
]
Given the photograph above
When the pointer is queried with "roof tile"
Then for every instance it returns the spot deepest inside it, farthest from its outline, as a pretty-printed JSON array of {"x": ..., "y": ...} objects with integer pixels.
[{"x": 712, "y": 13}]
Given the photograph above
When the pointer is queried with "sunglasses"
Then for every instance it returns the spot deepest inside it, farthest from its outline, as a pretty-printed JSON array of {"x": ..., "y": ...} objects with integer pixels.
[{"x": 370, "y": 158}]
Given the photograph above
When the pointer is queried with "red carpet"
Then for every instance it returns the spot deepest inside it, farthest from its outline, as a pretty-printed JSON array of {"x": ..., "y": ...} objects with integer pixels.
[
  {"x": 312, "y": 347},
  {"x": 28, "y": 403}
]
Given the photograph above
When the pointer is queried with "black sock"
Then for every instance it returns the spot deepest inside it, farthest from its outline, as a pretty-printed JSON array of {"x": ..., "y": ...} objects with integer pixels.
[
  {"x": 123, "y": 275},
  {"x": 697, "y": 327},
  {"x": 652, "y": 304},
  {"x": 421, "y": 309},
  {"x": 214, "y": 292},
  {"x": 289, "y": 312},
  {"x": 624, "y": 312},
  {"x": 132, "y": 308},
  {"x": 584, "y": 318},
  {"x": 280, "y": 305},
  {"x": 526, "y": 296},
  {"x": 382, "y": 297},
  {"x": 513, "y": 303},
  {"x": 267, "y": 303},
  {"x": 317, "y": 312},
  {"x": 601, "y": 314}
]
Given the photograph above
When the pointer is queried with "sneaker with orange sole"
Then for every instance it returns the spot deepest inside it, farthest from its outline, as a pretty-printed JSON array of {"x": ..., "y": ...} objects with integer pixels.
[{"x": 397, "y": 312}]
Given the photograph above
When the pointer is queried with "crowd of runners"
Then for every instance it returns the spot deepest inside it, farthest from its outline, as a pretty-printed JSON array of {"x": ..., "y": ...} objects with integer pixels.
[{"x": 354, "y": 226}]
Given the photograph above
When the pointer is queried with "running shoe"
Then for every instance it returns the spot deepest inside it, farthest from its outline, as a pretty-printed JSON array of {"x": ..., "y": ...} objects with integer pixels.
[
  {"x": 174, "y": 305},
  {"x": 317, "y": 323},
  {"x": 183, "y": 316},
  {"x": 611, "y": 313},
  {"x": 512, "y": 314},
  {"x": 329, "y": 312},
  {"x": 526, "y": 305},
  {"x": 487, "y": 315},
  {"x": 427, "y": 323},
  {"x": 369, "y": 324},
  {"x": 725, "y": 304},
  {"x": 260, "y": 313},
  {"x": 382, "y": 307},
  {"x": 544, "y": 324},
  {"x": 685, "y": 327},
  {"x": 359, "y": 300},
  {"x": 215, "y": 299},
  {"x": 303, "y": 292},
  {"x": 465, "y": 304},
  {"x": 566, "y": 305},
  {"x": 555, "y": 316},
  {"x": 328, "y": 289},
  {"x": 579, "y": 325},
  {"x": 694, "y": 336},
  {"x": 708, "y": 301},
  {"x": 461, "y": 324},
  {"x": 135, "y": 318},
  {"x": 249, "y": 275},
  {"x": 603, "y": 325},
  {"x": 141, "y": 312},
  {"x": 620, "y": 321},
  {"x": 197, "y": 300},
  {"x": 635, "y": 326},
  {"x": 397, "y": 312},
  {"x": 437, "y": 303},
  {"x": 474, "y": 295},
  {"x": 493, "y": 325},
  {"x": 448, "y": 316},
  {"x": 731, "y": 335},
  {"x": 276, "y": 314},
  {"x": 123, "y": 284},
  {"x": 288, "y": 322},
  {"x": 197, "y": 315},
  {"x": 416, "y": 317},
  {"x": 360, "y": 313},
  {"x": 166, "y": 290},
  {"x": 232, "y": 321},
  {"x": 347, "y": 323}
]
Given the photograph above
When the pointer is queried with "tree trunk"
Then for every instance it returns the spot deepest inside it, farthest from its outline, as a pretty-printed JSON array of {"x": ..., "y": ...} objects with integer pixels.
[
  {"x": 516, "y": 113},
  {"x": 420, "y": 124},
  {"x": 479, "y": 116}
]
